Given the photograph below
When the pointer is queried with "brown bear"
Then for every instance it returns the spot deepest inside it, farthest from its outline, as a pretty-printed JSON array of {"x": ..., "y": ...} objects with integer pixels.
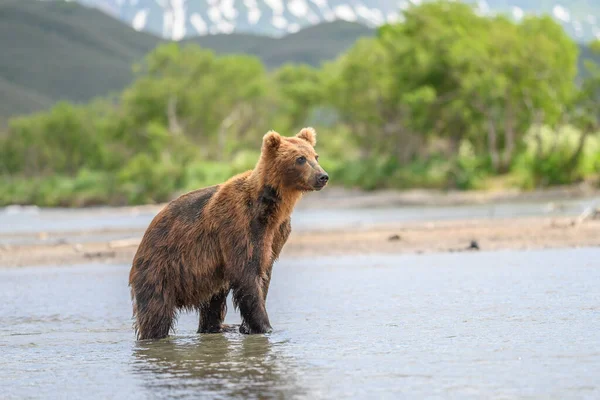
[{"x": 223, "y": 238}]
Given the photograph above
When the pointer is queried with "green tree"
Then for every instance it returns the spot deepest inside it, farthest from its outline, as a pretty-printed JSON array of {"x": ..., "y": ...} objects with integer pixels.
[
  {"x": 190, "y": 91},
  {"x": 61, "y": 141},
  {"x": 300, "y": 90},
  {"x": 586, "y": 107}
]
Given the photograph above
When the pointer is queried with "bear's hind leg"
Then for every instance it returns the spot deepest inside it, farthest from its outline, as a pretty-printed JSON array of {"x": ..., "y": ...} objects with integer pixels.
[
  {"x": 154, "y": 316},
  {"x": 213, "y": 313}
]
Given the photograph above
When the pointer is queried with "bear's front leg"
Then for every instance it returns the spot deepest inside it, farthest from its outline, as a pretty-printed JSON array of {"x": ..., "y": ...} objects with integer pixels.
[{"x": 251, "y": 303}]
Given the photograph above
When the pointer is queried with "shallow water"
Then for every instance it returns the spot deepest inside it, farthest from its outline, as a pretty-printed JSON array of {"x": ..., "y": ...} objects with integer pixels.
[
  {"x": 464, "y": 325},
  {"x": 19, "y": 225}
]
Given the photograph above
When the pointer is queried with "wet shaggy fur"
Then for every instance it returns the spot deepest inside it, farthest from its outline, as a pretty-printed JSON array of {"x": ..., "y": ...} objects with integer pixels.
[{"x": 223, "y": 238}]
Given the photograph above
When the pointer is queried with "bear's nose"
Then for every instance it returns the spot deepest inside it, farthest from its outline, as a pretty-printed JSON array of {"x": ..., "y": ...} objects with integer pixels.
[{"x": 323, "y": 178}]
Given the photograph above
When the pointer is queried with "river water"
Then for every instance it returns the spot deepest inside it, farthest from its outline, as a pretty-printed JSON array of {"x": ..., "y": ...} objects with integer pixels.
[
  {"x": 463, "y": 325},
  {"x": 20, "y": 225}
]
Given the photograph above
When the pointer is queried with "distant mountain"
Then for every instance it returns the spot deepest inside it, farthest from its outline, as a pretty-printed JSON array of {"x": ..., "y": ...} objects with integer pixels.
[
  {"x": 55, "y": 51},
  {"x": 177, "y": 19},
  {"x": 312, "y": 45}
]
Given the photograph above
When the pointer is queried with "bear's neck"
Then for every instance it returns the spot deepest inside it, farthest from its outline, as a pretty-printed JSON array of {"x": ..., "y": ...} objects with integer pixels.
[{"x": 276, "y": 201}]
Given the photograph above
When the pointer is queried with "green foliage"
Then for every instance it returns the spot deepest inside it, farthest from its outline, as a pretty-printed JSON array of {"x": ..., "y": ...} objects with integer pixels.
[
  {"x": 469, "y": 170},
  {"x": 301, "y": 90},
  {"x": 445, "y": 99},
  {"x": 86, "y": 189},
  {"x": 59, "y": 141},
  {"x": 550, "y": 157},
  {"x": 144, "y": 180}
]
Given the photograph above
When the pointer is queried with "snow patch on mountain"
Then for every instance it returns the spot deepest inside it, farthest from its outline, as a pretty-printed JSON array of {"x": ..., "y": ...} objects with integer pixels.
[{"x": 176, "y": 19}]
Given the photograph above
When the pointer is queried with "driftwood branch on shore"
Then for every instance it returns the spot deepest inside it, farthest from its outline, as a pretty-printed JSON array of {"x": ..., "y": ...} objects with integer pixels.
[{"x": 589, "y": 213}]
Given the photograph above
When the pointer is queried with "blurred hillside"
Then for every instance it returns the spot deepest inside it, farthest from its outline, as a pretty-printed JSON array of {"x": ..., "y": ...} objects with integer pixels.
[
  {"x": 62, "y": 51},
  {"x": 55, "y": 51},
  {"x": 311, "y": 46}
]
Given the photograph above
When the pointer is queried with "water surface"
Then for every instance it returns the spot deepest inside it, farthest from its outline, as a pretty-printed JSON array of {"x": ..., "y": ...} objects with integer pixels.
[
  {"x": 20, "y": 225},
  {"x": 464, "y": 325},
  {"x": 33, "y": 219}
]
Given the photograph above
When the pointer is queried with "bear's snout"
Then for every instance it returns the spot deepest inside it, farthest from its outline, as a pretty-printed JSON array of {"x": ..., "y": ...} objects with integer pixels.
[{"x": 322, "y": 180}]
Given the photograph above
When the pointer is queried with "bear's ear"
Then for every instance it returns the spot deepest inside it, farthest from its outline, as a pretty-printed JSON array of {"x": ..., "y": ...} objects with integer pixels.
[
  {"x": 308, "y": 134},
  {"x": 271, "y": 141}
]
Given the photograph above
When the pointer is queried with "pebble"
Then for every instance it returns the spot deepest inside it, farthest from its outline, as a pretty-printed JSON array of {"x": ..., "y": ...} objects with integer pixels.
[{"x": 474, "y": 245}]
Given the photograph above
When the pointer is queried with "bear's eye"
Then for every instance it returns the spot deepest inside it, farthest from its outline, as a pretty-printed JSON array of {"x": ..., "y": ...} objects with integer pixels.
[
  {"x": 316, "y": 158},
  {"x": 301, "y": 160}
]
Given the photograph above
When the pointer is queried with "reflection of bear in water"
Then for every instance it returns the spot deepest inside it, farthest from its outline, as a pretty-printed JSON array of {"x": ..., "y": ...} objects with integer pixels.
[
  {"x": 217, "y": 366},
  {"x": 221, "y": 238}
]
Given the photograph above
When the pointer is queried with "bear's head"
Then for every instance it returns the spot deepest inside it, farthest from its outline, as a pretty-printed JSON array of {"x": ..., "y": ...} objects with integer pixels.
[{"x": 291, "y": 163}]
